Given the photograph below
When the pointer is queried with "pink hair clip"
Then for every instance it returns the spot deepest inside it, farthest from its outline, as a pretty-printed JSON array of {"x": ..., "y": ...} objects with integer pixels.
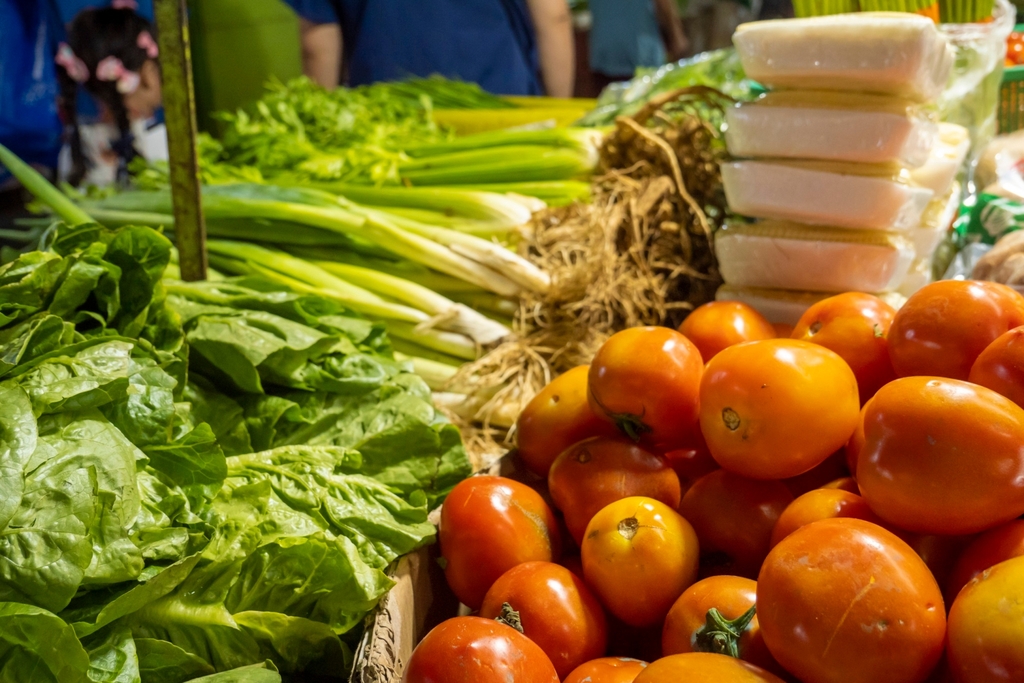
[
  {"x": 125, "y": 4},
  {"x": 75, "y": 67},
  {"x": 111, "y": 70},
  {"x": 146, "y": 42}
]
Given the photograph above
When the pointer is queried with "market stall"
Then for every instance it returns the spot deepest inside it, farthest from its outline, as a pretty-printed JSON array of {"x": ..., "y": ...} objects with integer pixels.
[{"x": 714, "y": 378}]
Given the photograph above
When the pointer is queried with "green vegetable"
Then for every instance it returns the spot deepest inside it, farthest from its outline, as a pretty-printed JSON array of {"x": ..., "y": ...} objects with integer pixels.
[{"x": 198, "y": 479}]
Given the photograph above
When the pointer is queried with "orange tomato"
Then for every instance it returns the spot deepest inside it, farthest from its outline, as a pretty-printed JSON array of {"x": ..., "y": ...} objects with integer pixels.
[
  {"x": 994, "y": 546},
  {"x": 783, "y": 330},
  {"x": 817, "y": 505},
  {"x": 686, "y": 629},
  {"x": 855, "y": 445},
  {"x": 691, "y": 462},
  {"x": 734, "y": 517},
  {"x": 476, "y": 650},
  {"x": 607, "y": 670},
  {"x": 844, "y": 484},
  {"x": 556, "y": 418},
  {"x": 942, "y": 456},
  {"x": 599, "y": 471},
  {"x": 939, "y": 552},
  {"x": 704, "y": 667},
  {"x": 489, "y": 525},
  {"x": 720, "y": 324},
  {"x": 832, "y": 468},
  {"x": 646, "y": 381},
  {"x": 557, "y": 611},
  {"x": 944, "y": 327},
  {"x": 986, "y": 626},
  {"x": 855, "y": 326},
  {"x": 1000, "y": 367},
  {"x": 845, "y": 601},
  {"x": 639, "y": 555},
  {"x": 775, "y": 409}
]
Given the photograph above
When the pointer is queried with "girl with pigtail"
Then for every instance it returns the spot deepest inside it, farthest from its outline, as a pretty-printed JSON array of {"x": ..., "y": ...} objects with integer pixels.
[{"x": 112, "y": 54}]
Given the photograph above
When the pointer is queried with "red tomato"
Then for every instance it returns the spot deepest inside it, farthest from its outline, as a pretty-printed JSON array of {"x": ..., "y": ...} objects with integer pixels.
[
  {"x": 646, "y": 380},
  {"x": 832, "y": 468},
  {"x": 986, "y": 626},
  {"x": 845, "y": 601},
  {"x": 691, "y": 463},
  {"x": 1000, "y": 367},
  {"x": 607, "y": 670},
  {"x": 685, "y": 626},
  {"x": 703, "y": 667},
  {"x": 476, "y": 650},
  {"x": 573, "y": 563},
  {"x": 944, "y": 327},
  {"x": 942, "y": 456},
  {"x": 775, "y": 409},
  {"x": 817, "y": 505},
  {"x": 646, "y": 546},
  {"x": 555, "y": 419},
  {"x": 939, "y": 552},
  {"x": 599, "y": 471},
  {"x": 997, "y": 545},
  {"x": 855, "y": 326},
  {"x": 734, "y": 517},
  {"x": 558, "y": 612},
  {"x": 488, "y": 526},
  {"x": 720, "y": 324}
]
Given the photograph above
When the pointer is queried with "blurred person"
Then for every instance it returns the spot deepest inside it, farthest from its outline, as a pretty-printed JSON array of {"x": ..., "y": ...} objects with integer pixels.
[
  {"x": 629, "y": 34},
  {"x": 508, "y": 47},
  {"x": 112, "y": 54}
]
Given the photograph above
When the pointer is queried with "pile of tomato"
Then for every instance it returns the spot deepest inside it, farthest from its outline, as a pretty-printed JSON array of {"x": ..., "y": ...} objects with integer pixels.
[{"x": 838, "y": 505}]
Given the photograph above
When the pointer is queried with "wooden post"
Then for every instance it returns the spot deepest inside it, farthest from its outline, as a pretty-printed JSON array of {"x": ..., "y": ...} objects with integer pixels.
[{"x": 180, "y": 114}]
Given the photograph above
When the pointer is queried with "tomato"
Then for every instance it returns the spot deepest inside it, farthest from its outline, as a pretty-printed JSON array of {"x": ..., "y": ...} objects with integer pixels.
[
  {"x": 783, "y": 330},
  {"x": 639, "y": 555},
  {"x": 944, "y": 327},
  {"x": 832, "y": 468},
  {"x": 939, "y": 552},
  {"x": 558, "y": 612},
  {"x": 856, "y": 443},
  {"x": 986, "y": 626},
  {"x": 489, "y": 525},
  {"x": 855, "y": 326},
  {"x": 845, "y": 601},
  {"x": 942, "y": 456},
  {"x": 732, "y": 596},
  {"x": 844, "y": 484},
  {"x": 704, "y": 667},
  {"x": 1000, "y": 367},
  {"x": 720, "y": 324},
  {"x": 477, "y": 650},
  {"x": 556, "y": 418},
  {"x": 734, "y": 517},
  {"x": 596, "y": 472},
  {"x": 821, "y": 504},
  {"x": 994, "y": 546},
  {"x": 775, "y": 409},
  {"x": 573, "y": 563},
  {"x": 607, "y": 670},
  {"x": 691, "y": 462},
  {"x": 646, "y": 380}
]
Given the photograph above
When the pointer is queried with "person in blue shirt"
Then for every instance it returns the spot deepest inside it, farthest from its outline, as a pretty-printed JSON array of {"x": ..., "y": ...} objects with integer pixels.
[
  {"x": 630, "y": 34},
  {"x": 508, "y": 47}
]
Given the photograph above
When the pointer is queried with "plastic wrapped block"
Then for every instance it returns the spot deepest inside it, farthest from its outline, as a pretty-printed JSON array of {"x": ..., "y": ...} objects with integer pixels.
[{"x": 889, "y": 53}]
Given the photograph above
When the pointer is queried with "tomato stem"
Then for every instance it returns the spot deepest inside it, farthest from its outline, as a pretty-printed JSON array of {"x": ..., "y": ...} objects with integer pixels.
[
  {"x": 631, "y": 425},
  {"x": 720, "y": 635},
  {"x": 509, "y": 617}
]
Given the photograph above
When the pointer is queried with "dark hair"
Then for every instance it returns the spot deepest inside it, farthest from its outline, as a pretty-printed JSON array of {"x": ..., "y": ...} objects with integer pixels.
[{"x": 94, "y": 35}]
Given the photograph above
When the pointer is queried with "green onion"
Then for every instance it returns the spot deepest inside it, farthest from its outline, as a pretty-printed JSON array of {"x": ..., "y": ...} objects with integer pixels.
[{"x": 39, "y": 186}]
